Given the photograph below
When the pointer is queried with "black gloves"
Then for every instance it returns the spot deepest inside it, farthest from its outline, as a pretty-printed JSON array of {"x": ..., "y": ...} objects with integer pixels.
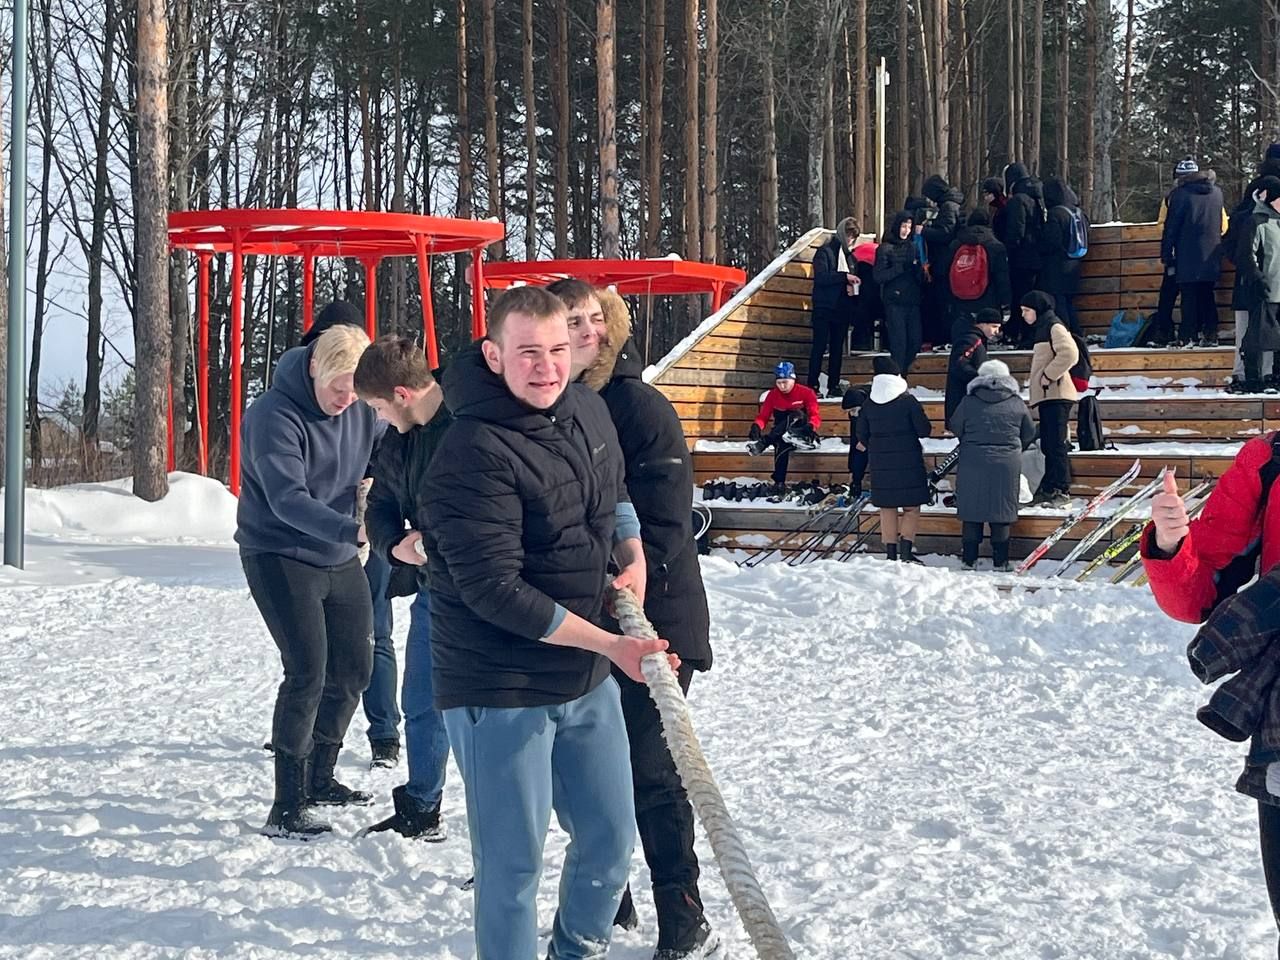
[{"x": 754, "y": 434}]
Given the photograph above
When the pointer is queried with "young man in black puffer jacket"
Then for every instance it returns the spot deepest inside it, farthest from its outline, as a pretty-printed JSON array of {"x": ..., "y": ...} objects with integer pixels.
[
  {"x": 1024, "y": 218},
  {"x": 526, "y": 502},
  {"x": 1059, "y": 271},
  {"x": 659, "y": 477},
  {"x": 938, "y": 233}
]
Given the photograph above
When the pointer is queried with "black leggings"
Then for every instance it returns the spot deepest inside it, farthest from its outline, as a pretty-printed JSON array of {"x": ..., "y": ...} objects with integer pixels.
[
  {"x": 971, "y": 539},
  {"x": 1055, "y": 445},
  {"x": 321, "y": 619}
]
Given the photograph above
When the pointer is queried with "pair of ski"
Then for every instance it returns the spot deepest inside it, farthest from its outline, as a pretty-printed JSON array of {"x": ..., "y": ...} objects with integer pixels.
[
  {"x": 822, "y": 544},
  {"x": 1110, "y": 491},
  {"x": 1130, "y": 539}
]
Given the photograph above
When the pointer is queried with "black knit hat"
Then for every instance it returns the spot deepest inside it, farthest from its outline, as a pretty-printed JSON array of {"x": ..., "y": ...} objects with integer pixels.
[
  {"x": 882, "y": 365},
  {"x": 993, "y": 186},
  {"x": 989, "y": 315},
  {"x": 978, "y": 218},
  {"x": 1270, "y": 187},
  {"x": 1039, "y": 301},
  {"x": 335, "y": 314}
]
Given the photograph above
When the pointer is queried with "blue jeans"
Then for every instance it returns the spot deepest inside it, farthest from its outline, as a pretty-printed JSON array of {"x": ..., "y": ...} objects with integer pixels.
[
  {"x": 380, "y": 696},
  {"x": 518, "y": 764},
  {"x": 426, "y": 740}
]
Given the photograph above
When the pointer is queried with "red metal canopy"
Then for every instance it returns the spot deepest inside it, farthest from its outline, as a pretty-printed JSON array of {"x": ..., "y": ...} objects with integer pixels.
[
  {"x": 629, "y": 277},
  {"x": 308, "y": 234}
]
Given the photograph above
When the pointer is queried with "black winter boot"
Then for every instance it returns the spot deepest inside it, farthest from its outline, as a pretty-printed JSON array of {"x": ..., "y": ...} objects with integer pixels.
[
  {"x": 626, "y": 916},
  {"x": 1000, "y": 555},
  {"x": 969, "y": 553},
  {"x": 891, "y": 551},
  {"x": 289, "y": 816},
  {"x": 323, "y": 788},
  {"x": 906, "y": 551},
  {"x": 683, "y": 931},
  {"x": 412, "y": 820},
  {"x": 384, "y": 753}
]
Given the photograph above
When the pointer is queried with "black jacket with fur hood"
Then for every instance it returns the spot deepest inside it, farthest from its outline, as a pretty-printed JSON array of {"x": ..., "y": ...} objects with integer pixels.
[{"x": 659, "y": 478}]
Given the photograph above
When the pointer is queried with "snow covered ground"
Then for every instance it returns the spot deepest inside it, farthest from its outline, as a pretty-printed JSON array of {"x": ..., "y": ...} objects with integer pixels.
[{"x": 922, "y": 767}]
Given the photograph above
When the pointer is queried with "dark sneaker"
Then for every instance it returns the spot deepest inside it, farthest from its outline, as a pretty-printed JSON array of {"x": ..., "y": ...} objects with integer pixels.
[
  {"x": 384, "y": 753},
  {"x": 756, "y": 447},
  {"x": 626, "y": 917}
]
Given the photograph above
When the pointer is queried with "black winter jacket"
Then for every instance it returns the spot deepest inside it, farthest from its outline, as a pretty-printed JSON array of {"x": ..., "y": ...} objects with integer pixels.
[
  {"x": 1059, "y": 274},
  {"x": 659, "y": 478},
  {"x": 399, "y": 471},
  {"x": 897, "y": 270},
  {"x": 520, "y": 516},
  {"x": 1023, "y": 218},
  {"x": 997, "y": 295},
  {"x": 939, "y": 232},
  {"x": 1192, "y": 234},
  {"x": 968, "y": 353},
  {"x": 829, "y": 284},
  {"x": 890, "y": 425}
]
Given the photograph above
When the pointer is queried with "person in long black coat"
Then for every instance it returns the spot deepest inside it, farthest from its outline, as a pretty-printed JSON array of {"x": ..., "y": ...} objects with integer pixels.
[
  {"x": 993, "y": 426},
  {"x": 1191, "y": 245},
  {"x": 977, "y": 232},
  {"x": 1060, "y": 273},
  {"x": 900, "y": 276},
  {"x": 968, "y": 352},
  {"x": 938, "y": 232},
  {"x": 1023, "y": 225},
  {"x": 835, "y": 281},
  {"x": 890, "y": 426},
  {"x": 659, "y": 478}
]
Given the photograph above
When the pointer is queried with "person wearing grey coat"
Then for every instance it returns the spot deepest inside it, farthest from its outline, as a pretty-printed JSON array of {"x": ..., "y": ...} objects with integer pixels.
[{"x": 994, "y": 426}]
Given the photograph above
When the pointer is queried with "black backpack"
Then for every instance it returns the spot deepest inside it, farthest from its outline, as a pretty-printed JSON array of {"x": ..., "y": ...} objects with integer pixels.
[
  {"x": 1083, "y": 367},
  {"x": 1089, "y": 433}
]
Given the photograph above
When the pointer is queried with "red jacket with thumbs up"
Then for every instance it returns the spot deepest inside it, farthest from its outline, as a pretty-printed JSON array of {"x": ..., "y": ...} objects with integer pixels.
[{"x": 1219, "y": 553}]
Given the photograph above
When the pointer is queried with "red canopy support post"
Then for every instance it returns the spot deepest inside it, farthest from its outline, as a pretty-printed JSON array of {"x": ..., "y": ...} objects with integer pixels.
[
  {"x": 477, "y": 293},
  {"x": 171, "y": 456},
  {"x": 237, "y": 348},
  {"x": 202, "y": 360},
  {"x": 371, "y": 297},
  {"x": 428, "y": 308},
  {"x": 308, "y": 289},
  {"x": 717, "y": 297}
]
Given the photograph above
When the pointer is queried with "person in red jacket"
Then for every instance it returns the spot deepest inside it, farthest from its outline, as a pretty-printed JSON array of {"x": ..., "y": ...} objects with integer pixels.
[
  {"x": 793, "y": 408},
  {"x": 1194, "y": 565}
]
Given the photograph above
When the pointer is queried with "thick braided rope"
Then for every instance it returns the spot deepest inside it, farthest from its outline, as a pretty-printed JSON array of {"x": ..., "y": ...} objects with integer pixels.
[{"x": 677, "y": 729}]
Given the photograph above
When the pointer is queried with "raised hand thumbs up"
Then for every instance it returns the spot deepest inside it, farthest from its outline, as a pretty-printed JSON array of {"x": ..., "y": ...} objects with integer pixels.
[{"x": 1169, "y": 514}]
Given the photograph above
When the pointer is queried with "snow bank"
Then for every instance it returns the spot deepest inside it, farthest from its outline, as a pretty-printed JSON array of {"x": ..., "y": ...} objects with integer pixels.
[
  {"x": 196, "y": 509},
  {"x": 920, "y": 764}
]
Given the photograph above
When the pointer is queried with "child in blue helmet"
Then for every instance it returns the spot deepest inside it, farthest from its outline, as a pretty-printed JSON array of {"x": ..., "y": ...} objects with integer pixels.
[{"x": 793, "y": 408}]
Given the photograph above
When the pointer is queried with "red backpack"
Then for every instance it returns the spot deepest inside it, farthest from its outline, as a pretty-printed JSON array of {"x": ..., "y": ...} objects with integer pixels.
[{"x": 969, "y": 273}]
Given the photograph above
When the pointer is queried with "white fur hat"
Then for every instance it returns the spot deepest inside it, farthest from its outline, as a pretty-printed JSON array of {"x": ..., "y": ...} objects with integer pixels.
[{"x": 994, "y": 368}]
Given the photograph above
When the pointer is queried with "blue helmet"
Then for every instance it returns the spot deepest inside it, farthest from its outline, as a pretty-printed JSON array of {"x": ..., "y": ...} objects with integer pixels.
[{"x": 786, "y": 370}]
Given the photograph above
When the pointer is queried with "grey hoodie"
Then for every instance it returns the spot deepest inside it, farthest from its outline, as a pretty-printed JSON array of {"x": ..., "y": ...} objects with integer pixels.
[{"x": 1264, "y": 251}]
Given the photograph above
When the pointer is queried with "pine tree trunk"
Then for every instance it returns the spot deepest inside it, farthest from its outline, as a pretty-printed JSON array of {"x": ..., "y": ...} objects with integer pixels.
[
  {"x": 466, "y": 203},
  {"x": 769, "y": 165},
  {"x": 1012, "y": 61},
  {"x": 179, "y": 166},
  {"x": 491, "y": 145},
  {"x": 847, "y": 197},
  {"x": 653, "y": 192},
  {"x": 1126, "y": 107},
  {"x": 530, "y": 140},
  {"x": 1090, "y": 97},
  {"x": 928, "y": 99},
  {"x": 44, "y": 107},
  {"x": 1037, "y": 89},
  {"x": 610, "y": 229},
  {"x": 829, "y": 154},
  {"x": 1064, "y": 90},
  {"x": 902, "y": 83},
  {"x": 1019, "y": 92},
  {"x": 564, "y": 122},
  {"x": 151, "y": 334},
  {"x": 1103, "y": 199},
  {"x": 692, "y": 214},
  {"x": 711, "y": 170},
  {"x": 942, "y": 79}
]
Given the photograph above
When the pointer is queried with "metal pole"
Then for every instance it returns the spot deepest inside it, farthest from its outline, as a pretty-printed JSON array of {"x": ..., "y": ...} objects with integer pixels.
[
  {"x": 882, "y": 81},
  {"x": 15, "y": 470}
]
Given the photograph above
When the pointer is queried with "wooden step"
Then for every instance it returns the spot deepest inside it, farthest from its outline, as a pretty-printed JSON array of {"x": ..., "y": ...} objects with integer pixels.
[
  {"x": 1091, "y": 470},
  {"x": 748, "y": 529}
]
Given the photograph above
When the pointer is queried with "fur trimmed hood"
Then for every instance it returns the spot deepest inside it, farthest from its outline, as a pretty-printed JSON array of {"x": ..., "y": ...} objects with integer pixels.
[
  {"x": 613, "y": 352},
  {"x": 995, "y": 385}
]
